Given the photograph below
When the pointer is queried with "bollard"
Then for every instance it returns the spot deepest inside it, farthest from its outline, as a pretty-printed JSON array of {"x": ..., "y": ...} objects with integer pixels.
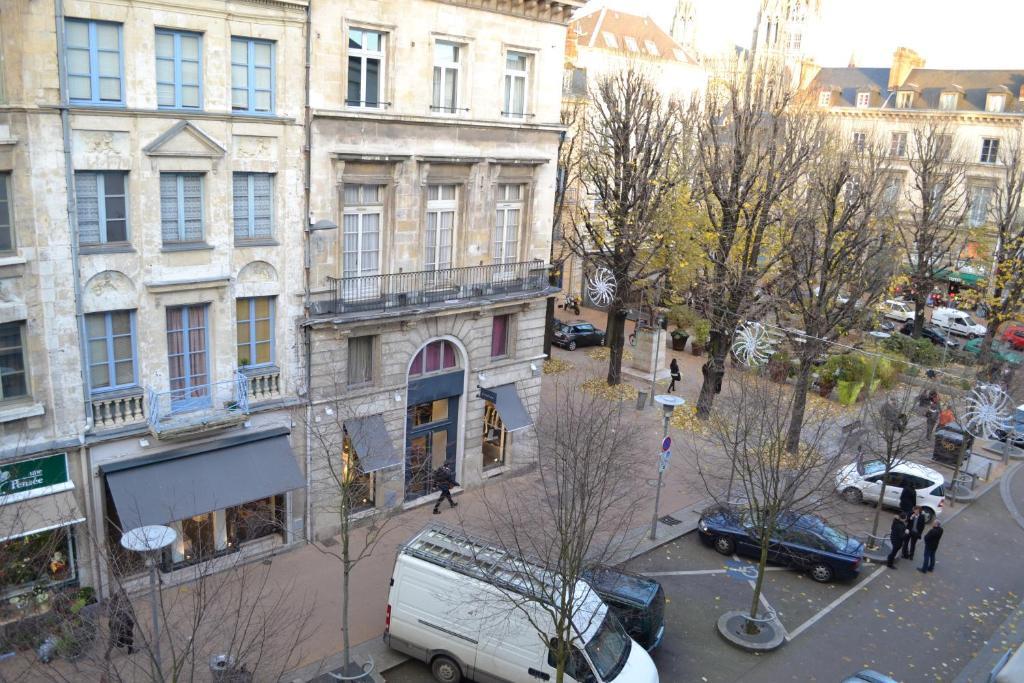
[{"x": 641, "y": 399}]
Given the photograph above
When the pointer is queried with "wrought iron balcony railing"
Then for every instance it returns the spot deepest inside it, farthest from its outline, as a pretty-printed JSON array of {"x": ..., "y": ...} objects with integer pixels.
[
  {"x": 430, "y": 288},
  {"x": 198, "y": 404}
]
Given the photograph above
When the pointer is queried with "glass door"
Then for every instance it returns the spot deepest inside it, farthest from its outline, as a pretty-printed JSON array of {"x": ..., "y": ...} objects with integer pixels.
[
  {"x": 187, "y": 360},
  {"x": 431, "y": 429}
]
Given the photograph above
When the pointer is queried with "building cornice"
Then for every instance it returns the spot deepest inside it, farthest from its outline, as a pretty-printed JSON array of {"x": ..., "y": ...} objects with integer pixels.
[
  {"x": 548, "y": 11},
  {"x": 982, "y": 117},
  {"x": 364, "y": 116}
]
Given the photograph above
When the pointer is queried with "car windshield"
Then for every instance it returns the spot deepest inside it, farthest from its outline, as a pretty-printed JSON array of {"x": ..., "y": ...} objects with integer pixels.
[
  {"x": 968, "y": 320},
  {"x": 835, "y": 537},
  {"x": 609, "y": 648},
  {"x": 873, "y": 467}
]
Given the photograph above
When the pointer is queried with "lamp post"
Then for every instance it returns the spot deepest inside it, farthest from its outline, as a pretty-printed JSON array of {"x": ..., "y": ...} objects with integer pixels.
[
  {"x": 151, "y": 540},
  {"x": 668, "y": 405},
  {"x": 879, "y": 336}
]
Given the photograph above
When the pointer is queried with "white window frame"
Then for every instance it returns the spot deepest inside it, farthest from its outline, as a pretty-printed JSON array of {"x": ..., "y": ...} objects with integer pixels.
[
  {"x": 948, "y": 101},
  {"x": 509, "y": 80},
  {"x": 905, "y": 99},
  {"x": 504, "y": 206},
  {"x": 995, "y": 103},
  {"x": 863, "y": 100},
  {"x": 363, "y": 55},
  {"x": 989, "y": 151},
  {"x": 794, "y": 41},
  {"x": 973, "y": 218},
  {"x": 860, "y": 140},
  {"x": 825, "y": 98},
  {"x": 355, "y": 285},
  {"x": 439, "y": 207},
  {"x": 652, "y": 48},
  {"x": 631, "y": 44},
  {"x": 447, "y": 69},
  {"x": 898, "y": 150}
]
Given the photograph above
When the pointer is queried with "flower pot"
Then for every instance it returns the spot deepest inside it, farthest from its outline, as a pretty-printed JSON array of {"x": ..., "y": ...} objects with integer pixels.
[
  {"x": 825, "y": 389},
  {"x": 679, "y": 341},
  {"x": 848, "y": 391},
  {"x": 778, "y": 372},
  {"x": 696, "y": 348}
]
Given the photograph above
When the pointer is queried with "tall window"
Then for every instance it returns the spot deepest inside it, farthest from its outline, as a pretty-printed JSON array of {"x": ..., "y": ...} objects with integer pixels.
[
  {"x": 13, "y": 378},
  {"x": 111, "y": 338},
  {"x": 255, "y": 331},
  {"x": 181, "y": 207},
  {"x": 980, "y": 198},
  {"x": 252, "y": 75},
  {"x": 178, "y": 69},
  {"x": 187, "y": 361},
  {"x": 794, "y": 40},
  {"x": 506, "y": 227},
  {"x": 441, "y": 207},
  {"x": 102, "y": 209},
  {"x": 358, "y": 484},
  {"x": 93, "y": 53},
  {"x": 6, "y": 224},
  {"x": 898, "y": 145},
  {"x": 446, "y": 78},
  {"x": 517, "y": 65},
  {"x": 499, "y": 335},
  {"x": 824, "y": 98},
  {"x": 863, "y": 100},
  {"x": 365, "y": 68},
  {"x": 360, "y": 360},
  {"x": 905, "y": 100},
  {"x": 948, "y": 101},
  {"x": 989, "y": 150},
  {"x": 363, "y": 212},
  {"x": 434, "y": 357},
  {"x": 253, "y": 205},
  {"x": 860, "y": 140},
  {"x": 890, "y": 196},
  {"x": 995, "y": 103}
]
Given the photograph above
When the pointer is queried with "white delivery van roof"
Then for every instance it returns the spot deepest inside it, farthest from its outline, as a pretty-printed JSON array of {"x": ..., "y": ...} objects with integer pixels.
[{"x": 480, "y": 559}]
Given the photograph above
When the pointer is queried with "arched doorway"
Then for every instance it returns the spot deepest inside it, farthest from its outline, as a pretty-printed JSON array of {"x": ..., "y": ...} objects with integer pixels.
[{"x": 436, "y": 384}]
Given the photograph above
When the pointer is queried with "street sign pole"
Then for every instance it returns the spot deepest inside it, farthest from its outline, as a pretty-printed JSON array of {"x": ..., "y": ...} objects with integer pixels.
[{"x": 668, "y": 404}]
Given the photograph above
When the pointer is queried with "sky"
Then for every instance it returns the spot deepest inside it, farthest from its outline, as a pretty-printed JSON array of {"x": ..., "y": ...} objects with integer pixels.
[{"x": 949, "y": 34}]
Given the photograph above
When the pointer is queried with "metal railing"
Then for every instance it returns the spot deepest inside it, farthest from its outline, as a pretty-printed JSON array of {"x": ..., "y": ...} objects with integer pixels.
[
  {"x": 229, "y": 396},
  {"x": 426, "y": 288}
]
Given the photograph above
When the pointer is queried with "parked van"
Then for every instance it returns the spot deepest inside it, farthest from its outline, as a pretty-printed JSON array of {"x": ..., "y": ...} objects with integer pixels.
[
  {"x": 465, "y": 608},
  {"x": 897, "y": 310},
  {"x": 638, "y": 602},
  {"x": 957, "y": 322}
]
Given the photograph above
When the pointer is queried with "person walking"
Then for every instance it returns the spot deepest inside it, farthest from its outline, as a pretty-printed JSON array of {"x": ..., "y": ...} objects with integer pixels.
[
  {"x": 908, "y": 498},
  {"x": 915, "y": 529},
  {"x": 444, "y": 479},
  {"x": 931, "y": 544},
  {"x": 896, "y": 534},
  {"x": 931, "y": 416},
  {"x": 673, "y": 369},
  {"x": 121, "y": 619}
]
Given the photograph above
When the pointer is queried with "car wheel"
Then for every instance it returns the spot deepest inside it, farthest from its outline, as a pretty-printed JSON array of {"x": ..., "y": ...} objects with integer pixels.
[
  {"x": 928, "y": 515},
  {"x": 972, "y": 336},
  {"x": 725, "y": 545},
  {"x": 571, "y": 345},
  {"x": 852, "y": 494},
  {"x": 821, "y": 572},
  {"x": 445, "y": 670}
]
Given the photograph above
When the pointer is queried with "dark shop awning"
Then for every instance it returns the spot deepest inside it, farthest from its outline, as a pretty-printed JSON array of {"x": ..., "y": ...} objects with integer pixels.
[
  {"x": 39, "y": 514},
  {"x": 510, "y": 407},
  {"x": 372, "y": 444},
  {"x": 179, "y": 484}
]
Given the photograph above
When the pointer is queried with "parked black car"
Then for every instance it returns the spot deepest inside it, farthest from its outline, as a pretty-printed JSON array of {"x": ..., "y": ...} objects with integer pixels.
[
  {"x": 578, "y": 333},
  {"x": 932, "y": 334},
  {"x": 638, "y": 602},
  {"x": 802, "y": 541}
]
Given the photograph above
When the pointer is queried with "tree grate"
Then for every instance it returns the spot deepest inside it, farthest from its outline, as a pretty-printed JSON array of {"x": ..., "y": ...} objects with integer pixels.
[{"x": 670, "y": 520}]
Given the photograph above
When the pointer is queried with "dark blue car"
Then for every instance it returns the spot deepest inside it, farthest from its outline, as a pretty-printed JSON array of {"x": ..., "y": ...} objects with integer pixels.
[{"x": 802, "y": 541}]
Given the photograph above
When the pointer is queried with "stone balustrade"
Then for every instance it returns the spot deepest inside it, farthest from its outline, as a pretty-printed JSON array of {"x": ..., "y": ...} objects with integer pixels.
[
  {"x": 118, "y": 409},
  {"x": 264, "y": 383}
]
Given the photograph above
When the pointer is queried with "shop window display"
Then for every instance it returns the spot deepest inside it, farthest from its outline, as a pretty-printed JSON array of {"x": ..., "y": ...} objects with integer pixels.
[
  {"x": 358, "y": 484},
  {"x": 495, "y": 438},
  {"x": 30, "y": 567}
]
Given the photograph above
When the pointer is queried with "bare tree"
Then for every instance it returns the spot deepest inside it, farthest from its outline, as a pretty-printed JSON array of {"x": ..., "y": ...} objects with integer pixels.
[
  {"x": 837, "y": 263},
  {"x": 931, "y": 227},
  {"x": 572, "y": 515},
  {"x": 751, "y": 475},
  {"x": 754, "y": 142},
  {"x": 631, "y": 140}
]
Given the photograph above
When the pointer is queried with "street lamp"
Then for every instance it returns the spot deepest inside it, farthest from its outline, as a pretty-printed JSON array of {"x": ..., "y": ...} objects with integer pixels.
[
  {"x": 879, "y": 336},
  {"x": 668, "y": 405},
  {"x": 151, "y": 540}
]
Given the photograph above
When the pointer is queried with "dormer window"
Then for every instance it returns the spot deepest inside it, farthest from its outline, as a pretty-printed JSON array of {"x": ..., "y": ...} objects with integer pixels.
[
  {"x": 631, "y": 44},
  {"x": 948, "y": 101},
  {"x": 905, "y": 99},
  {"x": 863, "y": 100},
  {"x": 825, "y": 98},
  {"x": 610, "y": 40},
  {"x": 995, "y": 102}
]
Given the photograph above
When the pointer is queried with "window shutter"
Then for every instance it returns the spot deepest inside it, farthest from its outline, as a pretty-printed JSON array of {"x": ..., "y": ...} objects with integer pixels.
[
  {"x": 169, "y": 207},
  {"x": 241, "y": 205},
  {"x": 262, "y": 204},
  {"x": 87, "y": 199},
  {"x": 192, "y": 196}
]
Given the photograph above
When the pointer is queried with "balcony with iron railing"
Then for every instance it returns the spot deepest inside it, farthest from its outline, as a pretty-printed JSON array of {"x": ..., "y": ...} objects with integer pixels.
[
  {"x": 186, "y": 411},
  {"x": 372, "y": 295}
]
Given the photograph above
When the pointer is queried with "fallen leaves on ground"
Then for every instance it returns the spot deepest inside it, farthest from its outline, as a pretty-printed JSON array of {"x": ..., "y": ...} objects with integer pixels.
[
  {"x": 603, "y": 353},
  {"x": 685, "y": 418},
  {"x": 554, "y": 366},
  {"x": 598, "y": 386}
]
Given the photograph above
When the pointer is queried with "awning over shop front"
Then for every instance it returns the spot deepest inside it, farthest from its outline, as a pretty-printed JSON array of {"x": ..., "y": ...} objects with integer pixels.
[
  {"x": 510, "y": 407},
  {"x": 38, "y": 514},
  {"x": 180, "y": 484},
  {"x": 970, "y": 279},
  {"x": 372, "y": 444}
]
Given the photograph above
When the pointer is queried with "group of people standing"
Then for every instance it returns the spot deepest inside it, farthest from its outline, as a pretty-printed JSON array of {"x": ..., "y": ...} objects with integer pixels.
[
  {"x": 908, "y": 527},
  {"x": 935, "y": 412}
]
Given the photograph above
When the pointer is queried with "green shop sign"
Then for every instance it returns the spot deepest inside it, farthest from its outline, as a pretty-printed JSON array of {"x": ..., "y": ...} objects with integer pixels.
[{"x": 29, "y": 478}]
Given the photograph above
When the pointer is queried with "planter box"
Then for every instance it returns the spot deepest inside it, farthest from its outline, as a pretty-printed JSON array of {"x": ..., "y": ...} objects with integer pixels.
[{"x": 848, "y": 391}]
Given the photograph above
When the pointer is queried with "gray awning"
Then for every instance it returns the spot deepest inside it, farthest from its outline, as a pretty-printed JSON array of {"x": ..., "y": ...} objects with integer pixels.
[
  {"x": 370, "y": 439},
  {"x": 42, "y": 513},
  {"x": 510, "y": 407},
  {"x": 234, "y": 472}
]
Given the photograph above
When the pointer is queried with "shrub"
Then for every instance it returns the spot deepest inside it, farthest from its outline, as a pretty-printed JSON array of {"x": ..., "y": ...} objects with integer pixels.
[{"x": 846, "y": 367}]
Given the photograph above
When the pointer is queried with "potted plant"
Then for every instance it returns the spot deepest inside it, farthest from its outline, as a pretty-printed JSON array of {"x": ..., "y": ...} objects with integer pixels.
[
  {"x": 701, "y": 335},
  {"x": 680, "y": 317},
  {"x": 778, "y": 366},
  {"x": 826, "y": 383},
  {"x": 848, "y": 370}
]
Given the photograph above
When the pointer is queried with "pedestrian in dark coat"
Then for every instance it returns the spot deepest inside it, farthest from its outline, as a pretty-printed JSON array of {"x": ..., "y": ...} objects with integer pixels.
[
  {"x": 673, "y": 369},
  {"x": 121, "y": 618},
  {"x": 931, "y": 544},
  {"x": 444, "y": 479},
  {"x": 915, "y": 529},
  {"x": 908, "y": 499},
  {"x": 931, "y": 416},
  {"x": 896, "y": 534}
]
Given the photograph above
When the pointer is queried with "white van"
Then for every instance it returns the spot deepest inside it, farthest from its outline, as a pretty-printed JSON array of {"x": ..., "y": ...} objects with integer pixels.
[
  {"x": 897, "y": 310},
  {"x": 463, "y": 607},
  {"x": 957, "y": 322}
]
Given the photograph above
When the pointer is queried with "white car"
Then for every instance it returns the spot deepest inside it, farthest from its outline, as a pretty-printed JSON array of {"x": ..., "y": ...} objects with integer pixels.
[
  {"x": 863, "y": 482},
  {"x": 897, "y": 310},
  {"x": 957, "y": 322}
]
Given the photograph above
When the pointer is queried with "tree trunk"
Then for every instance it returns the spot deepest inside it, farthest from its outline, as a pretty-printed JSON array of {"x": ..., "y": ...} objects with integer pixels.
[
  {"x": 762, "y": 563},
  {"x": 549, "y": 318},
  {"x": 796, "y": 419},
  {"x": 920, "y": 298},
  {"x": 615, "y": 339},
  {"x": 878, "y": 510},
  {"x": 713, "y": 371},
  {"x": 345, "y": 571},
  {"x": 985, "y": 353}
]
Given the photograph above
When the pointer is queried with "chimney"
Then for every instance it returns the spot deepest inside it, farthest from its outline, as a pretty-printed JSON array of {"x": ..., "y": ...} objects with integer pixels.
[
  {"x": 904, "y": 60},
  {"x": 572, "y": 39}
]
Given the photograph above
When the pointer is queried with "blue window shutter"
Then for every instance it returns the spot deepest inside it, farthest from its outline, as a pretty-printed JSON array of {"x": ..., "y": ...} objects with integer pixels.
[{"x": 88, "y": 206}]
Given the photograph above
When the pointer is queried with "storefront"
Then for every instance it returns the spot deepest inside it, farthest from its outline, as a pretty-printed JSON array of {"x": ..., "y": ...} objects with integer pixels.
[
  {"x": 436, "y": 385},
  {"x": 504, "y": 414},
  {"x": 38, "y": 512},
  {"x": 218, "y": 496},
  {"x": 367, "y": 450}
]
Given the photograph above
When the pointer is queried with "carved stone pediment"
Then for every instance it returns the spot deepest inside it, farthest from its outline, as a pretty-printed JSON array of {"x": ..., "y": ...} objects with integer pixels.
[{"x": 183, "y": 139}]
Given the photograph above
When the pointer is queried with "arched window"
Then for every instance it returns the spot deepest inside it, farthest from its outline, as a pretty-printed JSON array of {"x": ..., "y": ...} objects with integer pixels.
[{"x": 434, "y": 357}]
